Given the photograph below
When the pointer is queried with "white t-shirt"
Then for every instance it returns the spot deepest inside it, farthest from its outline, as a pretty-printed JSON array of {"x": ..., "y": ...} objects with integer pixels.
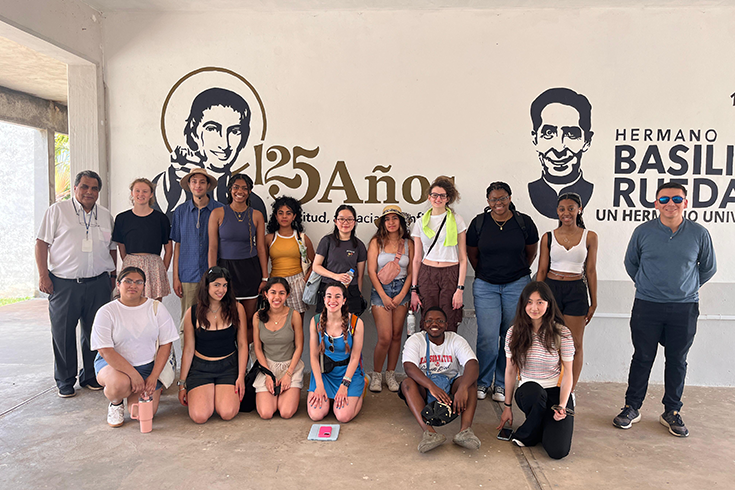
[
  {"x": 439, "y": 253},
  {"x": 133, "y": 330},
  {"x": 449, "y": 358},
  {"x": 63, "y": 228}
]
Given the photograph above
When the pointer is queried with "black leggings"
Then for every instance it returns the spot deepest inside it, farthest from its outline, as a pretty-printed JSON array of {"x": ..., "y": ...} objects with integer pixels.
[{"x": 540, "y": 426}]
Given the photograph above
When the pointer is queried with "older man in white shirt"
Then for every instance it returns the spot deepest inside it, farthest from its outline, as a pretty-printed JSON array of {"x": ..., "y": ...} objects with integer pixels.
[{"x": 75, "y": 255}]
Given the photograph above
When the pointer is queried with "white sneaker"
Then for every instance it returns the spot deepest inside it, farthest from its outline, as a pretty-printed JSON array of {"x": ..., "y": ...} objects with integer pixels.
[
  {"x": 390, "y": 380},
  {"x": 481, "y": 392},
  {"x": 115, "y": 415},
  {"x": 499, "y": 394},
  {"x": 376, "y": 382}
]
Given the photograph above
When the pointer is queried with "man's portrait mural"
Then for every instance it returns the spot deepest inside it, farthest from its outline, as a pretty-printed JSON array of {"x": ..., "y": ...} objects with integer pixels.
[
  {"x": 562, "y": 121},
  {"x": 211, "y": 130}
]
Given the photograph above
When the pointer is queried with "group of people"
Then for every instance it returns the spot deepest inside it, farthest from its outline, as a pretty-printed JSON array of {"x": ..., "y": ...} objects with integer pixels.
[{"x": 230, "y": 301}]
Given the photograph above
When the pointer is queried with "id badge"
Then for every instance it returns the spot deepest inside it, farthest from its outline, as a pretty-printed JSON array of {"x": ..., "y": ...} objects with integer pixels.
[{"x": 87, "y": 245}]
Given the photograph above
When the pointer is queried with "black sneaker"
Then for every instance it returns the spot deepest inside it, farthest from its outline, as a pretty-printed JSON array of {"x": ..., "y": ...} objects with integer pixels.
[
  {"x": 672, "y": 420},
  {"x": 67, "y": 392},
  {"x": 92, "y": 384},
  {"x": 627, "y": 418}
]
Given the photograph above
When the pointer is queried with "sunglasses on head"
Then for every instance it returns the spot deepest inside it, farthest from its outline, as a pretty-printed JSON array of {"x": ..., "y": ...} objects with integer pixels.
[{"x": 665, "y": 199}]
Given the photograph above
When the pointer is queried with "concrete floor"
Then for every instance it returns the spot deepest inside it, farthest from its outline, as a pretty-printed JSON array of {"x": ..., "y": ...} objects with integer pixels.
[{"x": 49, "y": 442}]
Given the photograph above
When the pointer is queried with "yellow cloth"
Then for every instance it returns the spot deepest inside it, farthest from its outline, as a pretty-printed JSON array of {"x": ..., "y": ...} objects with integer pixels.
[{"x": 285, "y": 256}]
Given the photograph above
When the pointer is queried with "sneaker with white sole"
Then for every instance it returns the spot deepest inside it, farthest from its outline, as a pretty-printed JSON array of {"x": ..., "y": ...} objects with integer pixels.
[
  {"x": 116, "y": 415},
  {"x": 627, "y": 417},
  {"x": 672, "y": 420},
  {"x": 499, "y": 394},
  {"x": 482, "y": 392},
  {"x": 376, "y": 382},
  {"x": 390, "y": 380}
]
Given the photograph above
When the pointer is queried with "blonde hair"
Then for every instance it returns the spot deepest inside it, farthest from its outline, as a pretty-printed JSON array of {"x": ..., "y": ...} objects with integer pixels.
[{"x": 143, "y": 180}]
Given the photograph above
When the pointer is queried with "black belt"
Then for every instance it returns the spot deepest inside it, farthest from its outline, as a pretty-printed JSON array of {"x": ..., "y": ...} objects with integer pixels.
[{"x": 82, "y": 280}]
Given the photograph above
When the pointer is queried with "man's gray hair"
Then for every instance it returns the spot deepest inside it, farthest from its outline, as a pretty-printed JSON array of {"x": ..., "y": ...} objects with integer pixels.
[{"x": 89, "y": 174}]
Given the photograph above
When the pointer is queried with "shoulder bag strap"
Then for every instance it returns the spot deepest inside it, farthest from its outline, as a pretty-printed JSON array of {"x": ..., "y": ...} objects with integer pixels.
[
  {"x": 428, "y": 353},
  {"x": 436, "y": 237}
]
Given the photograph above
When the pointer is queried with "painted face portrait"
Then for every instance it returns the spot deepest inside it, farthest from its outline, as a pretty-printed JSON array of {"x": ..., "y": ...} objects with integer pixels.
[{"x": 561, "y": 134}]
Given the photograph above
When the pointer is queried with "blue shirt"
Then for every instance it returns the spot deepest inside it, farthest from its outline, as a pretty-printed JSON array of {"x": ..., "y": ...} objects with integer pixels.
[
  {"x": 189, "y": 228},
  {"x": 670, "y": 267}
]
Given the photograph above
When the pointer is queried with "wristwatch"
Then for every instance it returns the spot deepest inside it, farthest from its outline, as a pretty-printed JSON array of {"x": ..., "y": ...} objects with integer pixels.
[
  {"x": 460, "y": 287},
  {"x": 181, "y": 382},
  {"x": 346, "y": 382}
]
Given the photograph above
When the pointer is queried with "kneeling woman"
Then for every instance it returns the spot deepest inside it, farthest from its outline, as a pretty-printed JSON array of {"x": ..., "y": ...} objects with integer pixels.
[
  {"x": 278, "y": 340},
  {"x": 335, "y": 347},
  {"x": 125, "y": 334},
  {"x": 540, "y": 347},
  {"x": 215, "y": 352}
]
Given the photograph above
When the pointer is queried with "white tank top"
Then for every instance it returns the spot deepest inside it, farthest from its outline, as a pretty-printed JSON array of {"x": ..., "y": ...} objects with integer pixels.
[{"x": 572, "y": 260}]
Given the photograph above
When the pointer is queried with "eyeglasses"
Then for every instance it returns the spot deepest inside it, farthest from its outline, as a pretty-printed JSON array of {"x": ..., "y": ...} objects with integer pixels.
[
  {"x": 434, "y": 195},
  {"x": 346, "y": 220},
  {"x": 130, "y": 282},
  {"x": 665, "y": 199},
  {"x": 330, "y": 341},
  {"x": 500, "y": 199},
  {"x": 435, "y": 322}
]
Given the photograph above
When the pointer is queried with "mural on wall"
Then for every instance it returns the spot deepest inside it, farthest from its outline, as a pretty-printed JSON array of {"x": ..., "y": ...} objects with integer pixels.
[
  {"x": 212, "y": 135},
  {"x": 562, "y": 121}
]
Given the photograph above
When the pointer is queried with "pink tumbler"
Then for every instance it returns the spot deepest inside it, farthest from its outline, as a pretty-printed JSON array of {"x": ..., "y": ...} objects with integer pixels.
[{"x": 143, "y": 412}]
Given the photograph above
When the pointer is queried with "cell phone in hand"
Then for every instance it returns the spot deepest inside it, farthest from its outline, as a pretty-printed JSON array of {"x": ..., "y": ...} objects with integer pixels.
[{"x": 505, "y": 433}]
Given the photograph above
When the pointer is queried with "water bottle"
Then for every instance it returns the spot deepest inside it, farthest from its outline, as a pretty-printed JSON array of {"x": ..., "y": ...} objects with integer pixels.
[
  {"x": 350, "y": 273},
  {"x": 411, "y": 323},
  {"x": 143, "y": 412}
]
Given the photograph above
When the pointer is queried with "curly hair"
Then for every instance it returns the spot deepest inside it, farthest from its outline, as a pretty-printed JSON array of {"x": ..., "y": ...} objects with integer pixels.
[
  {"x": 295, "y": 208},
  {"x": 522, "y": 338},
  {"x": 447, "y": 184},
  {"x": 321, "y": 325}
]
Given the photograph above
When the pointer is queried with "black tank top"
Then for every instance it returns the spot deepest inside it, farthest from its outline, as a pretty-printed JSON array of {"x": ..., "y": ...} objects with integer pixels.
[{"x": 214, "y": 343}]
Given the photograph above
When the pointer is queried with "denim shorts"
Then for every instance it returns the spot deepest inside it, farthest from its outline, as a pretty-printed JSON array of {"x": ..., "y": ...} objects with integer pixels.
[
  {"x": 144, "y": 370},
  {"x": 392, "y": 291}
]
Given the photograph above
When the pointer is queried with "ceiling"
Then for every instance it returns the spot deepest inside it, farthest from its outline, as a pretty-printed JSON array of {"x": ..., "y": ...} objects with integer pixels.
[{"x": 29, "y": 71}]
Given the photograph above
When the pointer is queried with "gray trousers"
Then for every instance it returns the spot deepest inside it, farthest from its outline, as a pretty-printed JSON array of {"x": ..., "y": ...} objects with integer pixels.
[{"x": 71, "y": 303}]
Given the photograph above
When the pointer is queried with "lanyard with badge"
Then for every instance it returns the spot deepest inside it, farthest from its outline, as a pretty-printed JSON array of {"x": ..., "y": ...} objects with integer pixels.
[{"x": 86, "y": 242}]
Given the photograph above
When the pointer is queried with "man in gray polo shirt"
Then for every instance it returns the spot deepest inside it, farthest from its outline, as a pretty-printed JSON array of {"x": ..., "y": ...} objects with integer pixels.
[{"x": 669, "y": 259}]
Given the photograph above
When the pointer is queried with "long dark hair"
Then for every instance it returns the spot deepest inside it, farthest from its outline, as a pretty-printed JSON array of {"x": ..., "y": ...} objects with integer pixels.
[
  {"x": 381, "y": 236},
  {"x": 522, "y": 338},
  {"x": 572, "y": 196},
  {"x": 263, "y": 315},
  {"x": 335, "y": 232},
  {"x": 228, "y": 304},
  {"x": 233, "y": 179},
  {"x": 321, "y": 326},
  {"x": 295, "y": 208},
  {"x": 500, "y": 186}
]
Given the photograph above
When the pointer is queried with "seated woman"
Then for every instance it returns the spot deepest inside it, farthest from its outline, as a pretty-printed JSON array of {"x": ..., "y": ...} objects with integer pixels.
[
  {"x": 215, "y": 353},
  {"x": 278, "y": 339},
  {"x": 125, "y": 333},
  {"x": 335, "y": 346},
  {"x": 540, "y": 347}
]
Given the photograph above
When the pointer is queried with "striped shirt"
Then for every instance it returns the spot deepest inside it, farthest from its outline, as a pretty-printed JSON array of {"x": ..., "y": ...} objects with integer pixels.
[{"x": 543, "y": 366}]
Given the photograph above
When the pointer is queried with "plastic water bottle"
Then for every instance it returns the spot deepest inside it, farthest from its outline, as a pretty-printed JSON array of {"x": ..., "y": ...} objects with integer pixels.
[
  {"x": 350, "y": 273},
  {"x": 411, "y": 323}
]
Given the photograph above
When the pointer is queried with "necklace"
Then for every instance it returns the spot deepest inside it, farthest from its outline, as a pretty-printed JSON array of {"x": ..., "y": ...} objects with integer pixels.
[
  {"x": 500, "y": 225},
  {"x": 215, "y": 312},
  {"x": 282, "y": 317}
]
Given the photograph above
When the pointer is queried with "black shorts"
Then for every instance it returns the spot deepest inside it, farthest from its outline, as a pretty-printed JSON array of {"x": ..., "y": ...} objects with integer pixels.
[
  {"x": 246, "y": 276},
  {"x": 222, "y": 372},
  {"x": 571, "y": 296}
]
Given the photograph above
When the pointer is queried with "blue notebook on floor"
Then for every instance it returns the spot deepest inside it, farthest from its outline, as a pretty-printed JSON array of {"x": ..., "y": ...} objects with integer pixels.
[{"x": 324, "y": 432}]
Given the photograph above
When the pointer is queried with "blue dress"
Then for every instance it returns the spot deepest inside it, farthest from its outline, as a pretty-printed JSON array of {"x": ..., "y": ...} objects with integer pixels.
[{"x": 333, "y": 379}]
